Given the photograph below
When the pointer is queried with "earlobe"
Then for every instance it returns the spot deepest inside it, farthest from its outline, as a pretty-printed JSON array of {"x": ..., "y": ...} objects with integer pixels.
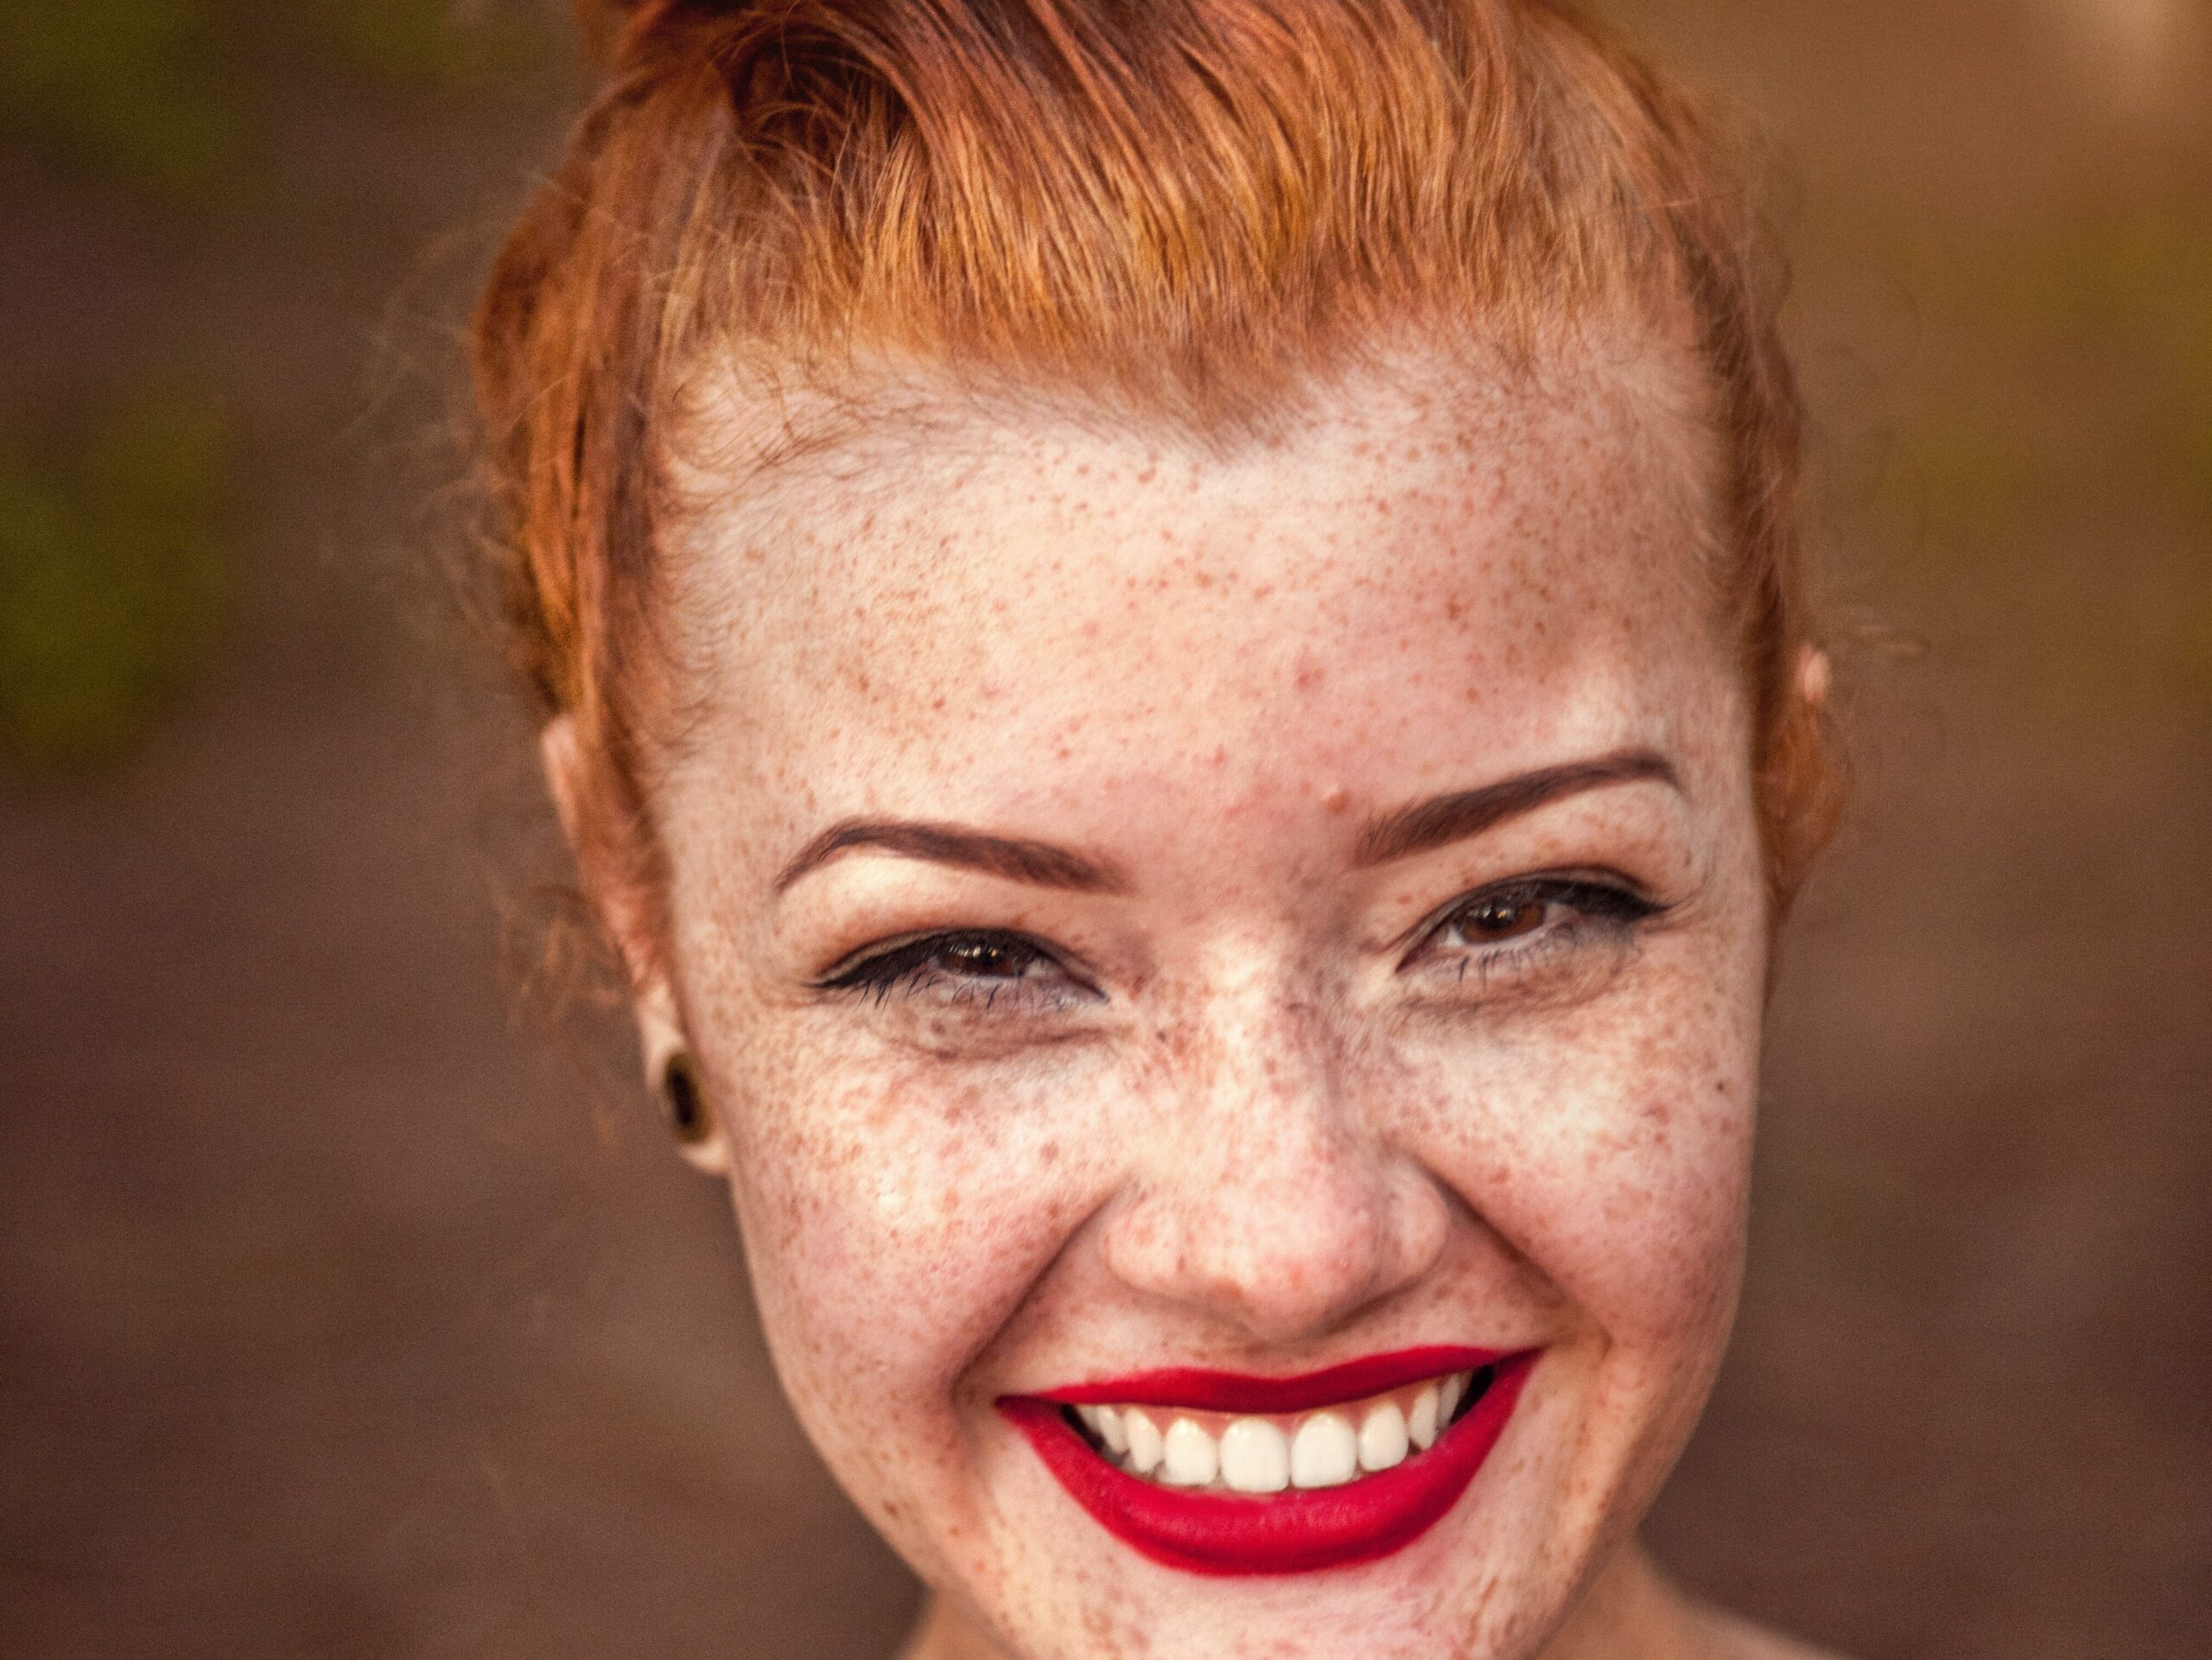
[
  {"x": 673, "y": 1073},
  {"x": 1816, "y": 676}
]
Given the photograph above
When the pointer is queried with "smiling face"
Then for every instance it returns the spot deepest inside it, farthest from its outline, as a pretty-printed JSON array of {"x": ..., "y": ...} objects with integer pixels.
[{"x": 1255, "y": 944}]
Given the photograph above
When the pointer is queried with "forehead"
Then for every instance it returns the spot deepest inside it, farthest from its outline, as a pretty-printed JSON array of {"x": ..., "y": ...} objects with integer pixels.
[{"x": 1418, "y": 572}]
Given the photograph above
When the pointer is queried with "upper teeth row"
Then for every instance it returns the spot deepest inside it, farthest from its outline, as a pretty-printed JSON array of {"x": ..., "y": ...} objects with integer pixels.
[{"x": 1265, "y": 1455}]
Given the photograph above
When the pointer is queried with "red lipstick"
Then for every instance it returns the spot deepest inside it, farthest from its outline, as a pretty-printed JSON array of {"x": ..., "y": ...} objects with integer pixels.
[{"x": 1290, "y": 1532}]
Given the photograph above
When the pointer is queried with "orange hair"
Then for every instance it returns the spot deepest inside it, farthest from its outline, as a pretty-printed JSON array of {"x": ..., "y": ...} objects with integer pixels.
[{"x": 1189, "y": 203}]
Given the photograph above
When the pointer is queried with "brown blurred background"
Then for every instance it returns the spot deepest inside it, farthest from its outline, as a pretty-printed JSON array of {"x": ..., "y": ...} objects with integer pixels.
[{"x": 344, "y": 1312}]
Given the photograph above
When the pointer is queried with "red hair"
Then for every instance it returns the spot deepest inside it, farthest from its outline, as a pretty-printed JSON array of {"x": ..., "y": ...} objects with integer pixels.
[{"x": 1189, "y": 205}]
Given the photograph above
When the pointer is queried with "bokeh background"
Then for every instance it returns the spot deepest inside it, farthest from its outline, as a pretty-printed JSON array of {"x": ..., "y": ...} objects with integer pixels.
[{"x": 346, "y": 1312}]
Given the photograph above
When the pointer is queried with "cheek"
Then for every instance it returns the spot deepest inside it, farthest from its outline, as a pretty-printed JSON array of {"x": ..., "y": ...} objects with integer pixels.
[
  {"x": 892, "y": 1228},
  {"x": 1614, "y": 1155}
]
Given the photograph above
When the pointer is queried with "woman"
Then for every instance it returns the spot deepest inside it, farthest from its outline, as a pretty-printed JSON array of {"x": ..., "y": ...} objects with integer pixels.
[{"x": 1170, "y": 645}]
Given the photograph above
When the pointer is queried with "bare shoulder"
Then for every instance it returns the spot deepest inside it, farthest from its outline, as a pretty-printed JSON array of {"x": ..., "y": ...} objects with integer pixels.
[{"x": 1738, "y": 1639}]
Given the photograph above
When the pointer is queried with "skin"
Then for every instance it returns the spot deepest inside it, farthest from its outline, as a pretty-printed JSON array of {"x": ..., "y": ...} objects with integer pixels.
[{"x": 1256, "y": 1105}]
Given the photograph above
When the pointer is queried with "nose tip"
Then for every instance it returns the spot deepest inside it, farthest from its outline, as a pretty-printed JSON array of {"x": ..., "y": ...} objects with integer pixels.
[{"x": 1285, "y": 1243}]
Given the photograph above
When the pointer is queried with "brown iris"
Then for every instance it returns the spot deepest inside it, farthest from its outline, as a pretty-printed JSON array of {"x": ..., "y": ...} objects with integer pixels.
[
  {"x": 986, "y": 959},
  {"x": 1506, "y": 917}
]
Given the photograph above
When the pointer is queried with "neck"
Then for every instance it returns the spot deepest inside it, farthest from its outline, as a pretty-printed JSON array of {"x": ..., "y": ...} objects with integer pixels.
[
  {"x": 945, "y": 1632},
  {"x": 1630, "y": 1613}
]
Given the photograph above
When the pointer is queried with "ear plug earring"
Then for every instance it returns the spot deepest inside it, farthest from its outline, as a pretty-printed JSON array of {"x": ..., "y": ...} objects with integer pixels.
[{"x": 682, "y": 1101}]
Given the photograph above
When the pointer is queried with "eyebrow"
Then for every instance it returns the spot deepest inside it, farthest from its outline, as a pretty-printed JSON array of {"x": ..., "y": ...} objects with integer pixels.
[
  {"x": 1040, "y": 864},
  {"x": 1415, "y": 828},
  {"x": 1447, "y": 818}
]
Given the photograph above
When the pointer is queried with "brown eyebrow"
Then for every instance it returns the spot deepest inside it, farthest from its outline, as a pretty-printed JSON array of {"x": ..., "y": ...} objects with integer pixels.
[
  {"x": 1447, "y": 818},
  {"x": 1409, "y": 830},
  {"x": 1038, "y": 863}
]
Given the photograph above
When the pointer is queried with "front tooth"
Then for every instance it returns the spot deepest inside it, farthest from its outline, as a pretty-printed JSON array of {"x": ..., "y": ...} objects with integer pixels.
[
  {"x": 1254, "y": 1457},
  {"x": 1112, "y": 1431},
  {"x": 1143, "y": 1437},
  {"x": 1383, "y": 1438},
  {"x": 1089, "y": 1416},
  {"x": 1420, "y": 1423},
  {"x": 1324, "y": 1452},
  {"x": 1192, "y": 1459}
]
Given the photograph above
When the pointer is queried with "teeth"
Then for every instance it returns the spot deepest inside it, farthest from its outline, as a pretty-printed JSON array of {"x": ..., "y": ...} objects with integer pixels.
[
  {"x": 1254, "y": 1457},
  {"x": 1144, "y": 1446},
  {"x": 1324, "y": 1455},
  {"x": 1420, "y": 1423},
  {"x": 1192, "y": 1459},
  {"x": 1382, "y": 1439},
  {"x": 1254, "y": 1454}
]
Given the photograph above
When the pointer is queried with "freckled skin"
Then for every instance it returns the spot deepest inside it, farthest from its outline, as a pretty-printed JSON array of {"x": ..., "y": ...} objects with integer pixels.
[{"x": 1272, "y": 1125}]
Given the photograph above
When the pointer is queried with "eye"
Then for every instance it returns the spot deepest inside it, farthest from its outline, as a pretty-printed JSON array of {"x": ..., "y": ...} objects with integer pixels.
[
  {"x": 984, "y": 966},
  {"x": 1512, "y": 925}
]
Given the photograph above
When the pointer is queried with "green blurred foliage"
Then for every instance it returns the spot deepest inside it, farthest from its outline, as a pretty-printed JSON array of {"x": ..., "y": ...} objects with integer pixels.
[
  {"x": 434, "y": 43},
  {"x": 1965, "y": 477},
  {"x": 130, "y": 87},
  {"x": 116, "y": 574},
  {"x": 2053, "y": 464},
  {"x": 117, "y": 567},
  {"x": 2113, "y": 308},
  {"x": 163, "y": 93}
]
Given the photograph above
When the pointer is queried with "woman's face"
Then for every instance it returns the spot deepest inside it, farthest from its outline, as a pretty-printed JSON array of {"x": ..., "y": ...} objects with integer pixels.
[{"x": 1270, "y": 945}]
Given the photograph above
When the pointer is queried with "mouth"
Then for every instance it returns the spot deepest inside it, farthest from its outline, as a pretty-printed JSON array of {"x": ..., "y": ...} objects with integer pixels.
[{"x": 1216, "y": 1473}]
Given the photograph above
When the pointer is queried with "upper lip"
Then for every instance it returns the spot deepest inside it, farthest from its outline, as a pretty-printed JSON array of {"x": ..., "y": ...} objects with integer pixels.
[{"x": 1204, "y": 1390}]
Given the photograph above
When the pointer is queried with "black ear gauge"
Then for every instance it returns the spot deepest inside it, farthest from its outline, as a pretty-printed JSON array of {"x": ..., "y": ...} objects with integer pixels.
[{"x": 683, "y": 1102}]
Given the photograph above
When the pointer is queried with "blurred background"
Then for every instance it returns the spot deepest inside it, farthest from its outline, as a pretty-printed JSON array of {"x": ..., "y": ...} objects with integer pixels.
[{"x": 345, "y": 1312}]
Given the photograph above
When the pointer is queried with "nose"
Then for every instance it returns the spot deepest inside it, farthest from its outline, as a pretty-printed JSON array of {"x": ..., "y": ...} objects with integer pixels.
[{"x": 1267, "y": 1195}]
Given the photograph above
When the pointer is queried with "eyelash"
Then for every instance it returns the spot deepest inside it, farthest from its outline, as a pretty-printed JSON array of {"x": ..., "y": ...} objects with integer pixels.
[
  {"x": 1606, "y": 905},
  {"x": 1608, "y": 908},
  {"x": 908, "y": 968}
]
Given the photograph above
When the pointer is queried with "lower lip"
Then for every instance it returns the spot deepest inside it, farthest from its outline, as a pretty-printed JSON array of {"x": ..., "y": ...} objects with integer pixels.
[{"x": 1288, "y": 1533}]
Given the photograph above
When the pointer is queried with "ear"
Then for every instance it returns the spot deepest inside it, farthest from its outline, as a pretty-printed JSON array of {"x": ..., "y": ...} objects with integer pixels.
[
  {"x": 1816, "y": 676},
  {"x": 622, "y": 913}
]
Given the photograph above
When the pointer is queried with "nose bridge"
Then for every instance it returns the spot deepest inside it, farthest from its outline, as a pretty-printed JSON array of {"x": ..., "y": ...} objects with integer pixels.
[
  {"x": 1270, "y": 1198},
  {"x": 1265, "y": 1064}
]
